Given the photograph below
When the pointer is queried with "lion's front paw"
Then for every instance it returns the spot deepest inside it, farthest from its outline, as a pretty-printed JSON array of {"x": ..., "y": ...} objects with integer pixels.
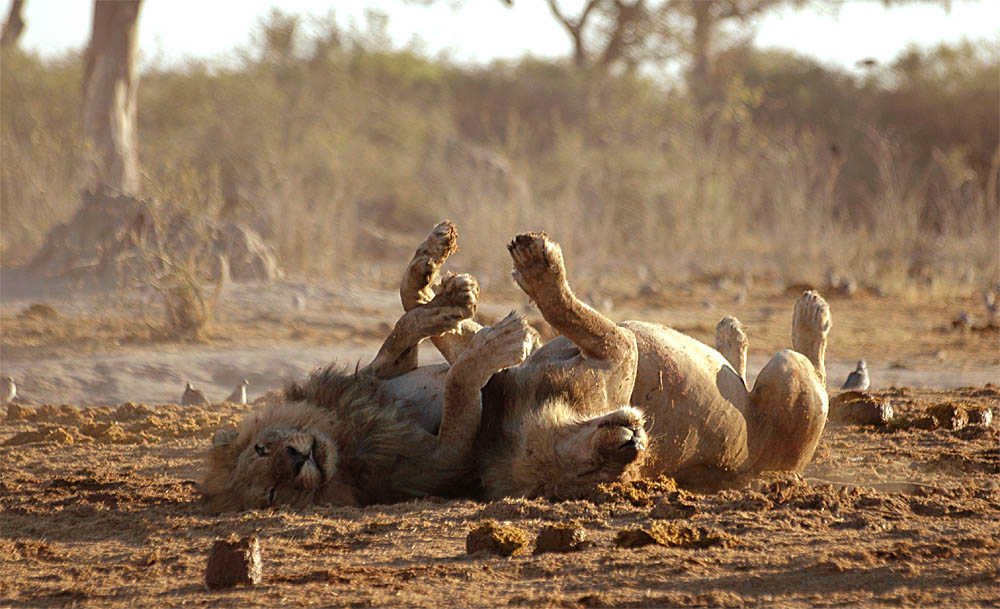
[
  {"x": 538, "y": 262},
  {"x": 436, "y": 321},
  {"x": 506, "y": 343},
  {"x": 440, "y": 243},
  {"x": 422, "y": 271},
  {"x": 461, "y": 291}
]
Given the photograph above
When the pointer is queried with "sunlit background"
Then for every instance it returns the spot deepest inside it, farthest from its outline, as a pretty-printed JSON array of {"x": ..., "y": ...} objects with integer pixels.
[
  {"x": 799, "y": 140},
  {"x": 838, "y": 32}
]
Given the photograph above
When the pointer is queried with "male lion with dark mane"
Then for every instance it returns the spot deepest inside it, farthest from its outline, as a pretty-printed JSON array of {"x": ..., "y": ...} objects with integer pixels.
[
  {"x": 522, "y": 420},
  {"x": 385, "y": 433}
]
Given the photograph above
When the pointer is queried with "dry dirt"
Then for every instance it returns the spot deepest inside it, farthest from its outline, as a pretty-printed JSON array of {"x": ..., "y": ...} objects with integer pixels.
[{"x": 100, "y": 505}]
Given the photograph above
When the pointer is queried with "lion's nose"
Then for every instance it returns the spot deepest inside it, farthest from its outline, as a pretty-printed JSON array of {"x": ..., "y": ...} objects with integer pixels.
[
  {"x": 297, "y": 459},
  {"x": 631, "y": 448}
]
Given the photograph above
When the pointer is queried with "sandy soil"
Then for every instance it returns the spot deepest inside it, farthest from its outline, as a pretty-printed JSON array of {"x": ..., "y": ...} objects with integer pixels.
[
  {"x": 100, "y": 504},
  {"x": 100, "y": 509}
]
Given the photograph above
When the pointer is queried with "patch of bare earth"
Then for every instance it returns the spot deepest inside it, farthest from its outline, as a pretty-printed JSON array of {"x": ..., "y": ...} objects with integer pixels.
[{"x": 100, "y": 509}]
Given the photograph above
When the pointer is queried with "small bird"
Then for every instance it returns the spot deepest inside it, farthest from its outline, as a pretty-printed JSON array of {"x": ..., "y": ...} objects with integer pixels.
[
  {"x": 964, "y": 321},
  {"x": 991, "y": 303},
  {"x": 741, "y": 296},
  {"x": 857, "y": 380},
  {"x": 239, "y": 395},
  {"x": 193, "y": 397},
  {"x": 9, "y": 390},
  {"x": 847, "y": 287}
]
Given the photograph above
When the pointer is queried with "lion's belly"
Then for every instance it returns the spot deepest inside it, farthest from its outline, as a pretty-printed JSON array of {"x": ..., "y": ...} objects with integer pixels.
[
  {"x": 420, "y": 395},
  {"x": 694, "y": 399}
]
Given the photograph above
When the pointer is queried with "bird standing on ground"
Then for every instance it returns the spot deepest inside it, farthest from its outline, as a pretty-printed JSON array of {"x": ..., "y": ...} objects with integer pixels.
[
  {"x": 193, "y": 397},
  {"x": 858, "y": 380},
  {"x": 239, "y": 395},
  {"x": 963, "y": 321},
  {"x": 991, "y": 303},
  {"x": 9, "y": 390}
]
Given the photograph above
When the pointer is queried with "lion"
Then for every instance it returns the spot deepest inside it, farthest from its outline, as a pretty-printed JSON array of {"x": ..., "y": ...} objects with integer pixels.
[
  {"x": 607, "y": 401},
  {"x": 600, "y": 403},
  {"x": 381, "y": 434}
]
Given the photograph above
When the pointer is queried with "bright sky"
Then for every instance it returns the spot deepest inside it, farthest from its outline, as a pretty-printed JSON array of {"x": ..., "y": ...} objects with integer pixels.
[{"x": 480, "y": 30}]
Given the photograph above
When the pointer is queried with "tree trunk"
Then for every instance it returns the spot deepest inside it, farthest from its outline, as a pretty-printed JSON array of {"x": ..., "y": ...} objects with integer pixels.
[
  {"x": 700, "y": 47},
  {"x": 110, "y": 85},
  {"x": 579, "y": 51},
  {"x": 14, "y": 25}
]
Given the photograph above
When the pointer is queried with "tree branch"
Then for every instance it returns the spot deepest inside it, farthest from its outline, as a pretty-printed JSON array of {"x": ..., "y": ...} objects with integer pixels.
[{"x": 14, "y": 25}]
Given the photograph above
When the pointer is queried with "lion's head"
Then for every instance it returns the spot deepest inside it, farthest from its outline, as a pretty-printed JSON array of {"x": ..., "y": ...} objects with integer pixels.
[
  {"x": 560, "y": 455},
  {"x": 336, "y": 441},
  {"x": 280, "y": 456}
]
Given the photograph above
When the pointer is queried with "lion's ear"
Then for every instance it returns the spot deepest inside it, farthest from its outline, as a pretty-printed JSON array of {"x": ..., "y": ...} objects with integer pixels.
[{"x": 223, "y": 437}]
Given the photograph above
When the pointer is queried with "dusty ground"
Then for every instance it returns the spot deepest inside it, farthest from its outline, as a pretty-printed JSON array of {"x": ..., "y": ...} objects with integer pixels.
[{"x": 100, "y": 506}]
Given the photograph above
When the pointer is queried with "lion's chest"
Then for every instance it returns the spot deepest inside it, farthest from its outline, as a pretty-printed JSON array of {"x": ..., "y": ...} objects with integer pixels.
[{"x": 420, "y": 395}]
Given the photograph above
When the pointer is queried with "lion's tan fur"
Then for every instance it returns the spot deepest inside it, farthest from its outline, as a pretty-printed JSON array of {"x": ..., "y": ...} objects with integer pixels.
[{"x": 705, "y": 425}]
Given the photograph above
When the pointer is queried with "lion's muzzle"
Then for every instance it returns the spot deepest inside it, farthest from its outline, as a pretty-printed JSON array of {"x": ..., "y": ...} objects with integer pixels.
[
  {"x": 630, "y": 449},
  {"x": 298, "y": 458},
  {"x": 300, "y": 461}
]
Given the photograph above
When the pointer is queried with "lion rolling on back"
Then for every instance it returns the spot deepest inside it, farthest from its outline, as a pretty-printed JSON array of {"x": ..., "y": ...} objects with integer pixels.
[
  {"x": 602, "y": 402},
  {"x": 388, "y": 432}
]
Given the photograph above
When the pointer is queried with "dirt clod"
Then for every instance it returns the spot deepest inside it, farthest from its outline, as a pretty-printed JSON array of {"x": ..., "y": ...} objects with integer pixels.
[
  {"x": 859, "y": 408},
  {"x": 673, "y": 536},
  {"x": 635, "y": 538},
  {"x": 17, "y": 412},
  {"x": 232, "y": 563},
  {"x": 567, "y": 537},
  {"x": 639, "y": 493},
  {"x": 48, "y": 434},
  {"x": 667, "y": 508},
  {"x": 950, "y": 415},
  {"x": 980, "y": 416},
  {"x": 496, "y": 538}
]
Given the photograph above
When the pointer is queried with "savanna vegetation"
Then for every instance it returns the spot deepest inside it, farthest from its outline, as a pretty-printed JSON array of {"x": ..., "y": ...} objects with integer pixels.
[{"x": 342, "y": 150}]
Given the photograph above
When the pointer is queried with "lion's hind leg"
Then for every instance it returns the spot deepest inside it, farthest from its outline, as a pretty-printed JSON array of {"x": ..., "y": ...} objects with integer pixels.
[
  {"x": 418, "y": 286},
  {"x": 731, "y": 341},
  {"x": 456, "y": 302},
  {"x": 789, "y": 403},
  {"x": 810, "y": 327}
]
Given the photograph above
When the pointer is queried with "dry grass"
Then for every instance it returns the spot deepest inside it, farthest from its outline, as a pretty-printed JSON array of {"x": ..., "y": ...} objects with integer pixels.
[{"x": 343, "y": 154}]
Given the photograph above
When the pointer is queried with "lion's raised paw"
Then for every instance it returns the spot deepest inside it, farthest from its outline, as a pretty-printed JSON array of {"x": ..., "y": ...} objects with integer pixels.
[
  {"x": 538, "y": 261},
  {"x": 812, "y": 312},
  {"x": 506, "y": 343},
  {"x": 441, "y": 243},
  {"x": 460, "y": 290},
  {"x": 427, "y": 260}
]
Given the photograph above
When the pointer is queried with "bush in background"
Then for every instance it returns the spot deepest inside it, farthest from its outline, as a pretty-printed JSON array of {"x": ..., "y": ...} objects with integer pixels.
[{"x": 342, "y": 151}]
